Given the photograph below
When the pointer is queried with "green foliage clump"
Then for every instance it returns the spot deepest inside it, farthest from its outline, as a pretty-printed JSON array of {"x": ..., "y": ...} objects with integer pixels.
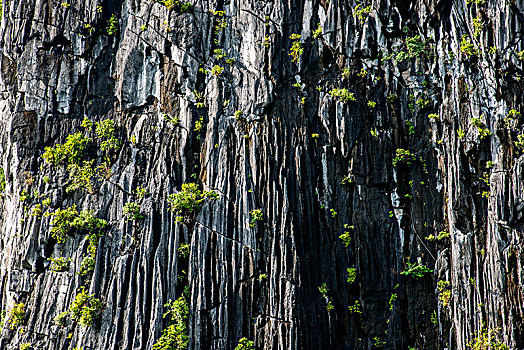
[
  {"x": 172, "y": 120},
  {"x": 67, "y": 221},
  {"x": 296, "y": 47},
  {"x": 85, "y": 307},
  {"x": 62, "y": 222},
  {"x": 245, "y": 344},
  {"x": 478, "y": 2},
  {"x": 183, "y": 250},
  {"x": 392, "y": 300},
  {"x": 74, "y": 151},
  {"x": 441, "y": 235},
  {"x": 25, "y": 346},
  {"x": 175, "y": 336},
  {"x": 216, "y": 70},
  {"x": 342, "y": 95},
  {"x": 189, "y": 201},
  {"x": 444, "y": 292},
  {"x": 105, "y": 131},
  {"x": 416, "y": 47},
  {"x": 520, "y": 142},
  {"x": 71, "y": 152},
  {"x": 362, "y": 12},
  {"x": 416, "y": 270},
  {"x": 487, "y": 340},
  {"x": 199, "y": 124},
  {"x": 317, "y": 32},
  {"x": 181, "y": 6},
  {"x": 346, "y": 73},
  {"x": 478, "y": 26},
  {"x": 17, "y": 315},
  {"x": 131, "y": 211},
  {"x": 346, "y": 237},
  {"x": 112, "y": 25},
  {"x": 410, "y": 127},
  {"x": 256, "y": 215},
  {"x": 59, "y": 264},
  {"x": 481, "y": 127},
  {"x": 378, "y": 342},
  {"x": 80, "y": 176},
  {"x": 323, "y": 289},
  {"x": 403, "y": 156},
  {"x": 352, "y": 275},
  {"x": 512, "y": 118},
  {"x": 2, "y": 181},
  {"x": 239, "y": 115},
  {"x": 61, "y": 319},
  {"x": 87, "y": 264},
  {"x": 355, "y": 309},
  {"x": 467, "y": 47}
]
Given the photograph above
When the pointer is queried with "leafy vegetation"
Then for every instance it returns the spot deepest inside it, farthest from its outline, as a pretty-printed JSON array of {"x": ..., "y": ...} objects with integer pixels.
[
  {"x": 441, "y": 236},
  {"x": 256, "y": 215},
  {"x": 2, "y": 181},
  {"x": 362, "y": 12},
  {"x": 106, "y": 132},
  {"x": 481, "y": 128},
  {"x": 444, "y": 292},
  {"x": 486, "y": 340},
  {"x": 112, "y": 25},
  {"x": 355, "y": 308},
  {"x": 71, "y": 152},
  {"x": 346, "y": 237},
  {"x": 342, "y": 95},
  {"x": 61, "y": 319},
  {"x": 323, "y": 289},
  {"x": 352, "y": 275},
  {"x": 296, "y": 48},
  {"x": 180, "y": 6},
  {"x": 467, "y": 47},
  {"x": 67, "y": 221},
  {"x": 403, "y": 157},
  {"x": 131, "y": 211},
  {"x": 416, "y": 47},
  {"x": 17, "y": 315},
  {"x": 59, "y": 264},
  {"x": 416, "y": 270},
  {"x": 85, "y": 307},
  {"x": 183, "y": 250},
  {"x": 175, "y": 336},
  {"x": 245, "y": 344},
  {"x": 74, "y": 151},
  {"x": 189, "y": 201}
]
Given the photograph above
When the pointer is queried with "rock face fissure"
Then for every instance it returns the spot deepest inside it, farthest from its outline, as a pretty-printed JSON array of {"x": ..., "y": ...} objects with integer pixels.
[{"x": 302, "y": 174}]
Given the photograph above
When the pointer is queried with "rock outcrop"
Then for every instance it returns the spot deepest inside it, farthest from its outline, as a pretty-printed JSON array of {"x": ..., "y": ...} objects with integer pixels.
[{"x": 393, "y": 123}]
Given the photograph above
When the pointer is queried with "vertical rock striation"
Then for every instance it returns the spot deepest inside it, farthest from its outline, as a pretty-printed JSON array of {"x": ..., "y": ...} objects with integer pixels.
[{"x": 424, "y": 161}]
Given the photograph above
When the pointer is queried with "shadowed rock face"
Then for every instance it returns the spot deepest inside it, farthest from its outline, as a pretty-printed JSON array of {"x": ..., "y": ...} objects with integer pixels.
[{"x": 444, "y": 76}]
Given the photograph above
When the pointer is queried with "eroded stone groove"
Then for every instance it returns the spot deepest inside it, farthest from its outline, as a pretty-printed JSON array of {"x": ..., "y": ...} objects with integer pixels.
[{"x": 396, "y": 124}]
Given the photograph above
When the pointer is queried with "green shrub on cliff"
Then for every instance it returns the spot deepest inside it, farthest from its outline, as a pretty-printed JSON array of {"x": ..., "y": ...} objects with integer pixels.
[
  {"x": 17, "y": 315},
  {"x": 175, "y": 336},
  {"x": 71, "y": 152},
  {"x": 85, "y": 308},
  {"x": 67, "y": 221},
  {"x": 245, "y": 344},
  {"x": 188, "y": 201}
]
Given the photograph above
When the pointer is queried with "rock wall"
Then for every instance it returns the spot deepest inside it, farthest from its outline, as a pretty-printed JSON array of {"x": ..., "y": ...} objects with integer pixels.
[{"x": 223, "y": 95}]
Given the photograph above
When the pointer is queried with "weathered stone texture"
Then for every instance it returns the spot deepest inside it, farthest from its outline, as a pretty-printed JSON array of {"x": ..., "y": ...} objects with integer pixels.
[{"x": 55, "y": 71}]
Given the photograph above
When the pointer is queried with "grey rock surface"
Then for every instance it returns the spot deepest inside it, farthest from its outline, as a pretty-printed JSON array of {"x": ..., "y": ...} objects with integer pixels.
[{"x": 316, "y": 166}]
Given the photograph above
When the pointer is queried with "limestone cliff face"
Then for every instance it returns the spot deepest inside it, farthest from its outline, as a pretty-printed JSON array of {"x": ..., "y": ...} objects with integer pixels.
[{"x": 427, "y": 145}]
